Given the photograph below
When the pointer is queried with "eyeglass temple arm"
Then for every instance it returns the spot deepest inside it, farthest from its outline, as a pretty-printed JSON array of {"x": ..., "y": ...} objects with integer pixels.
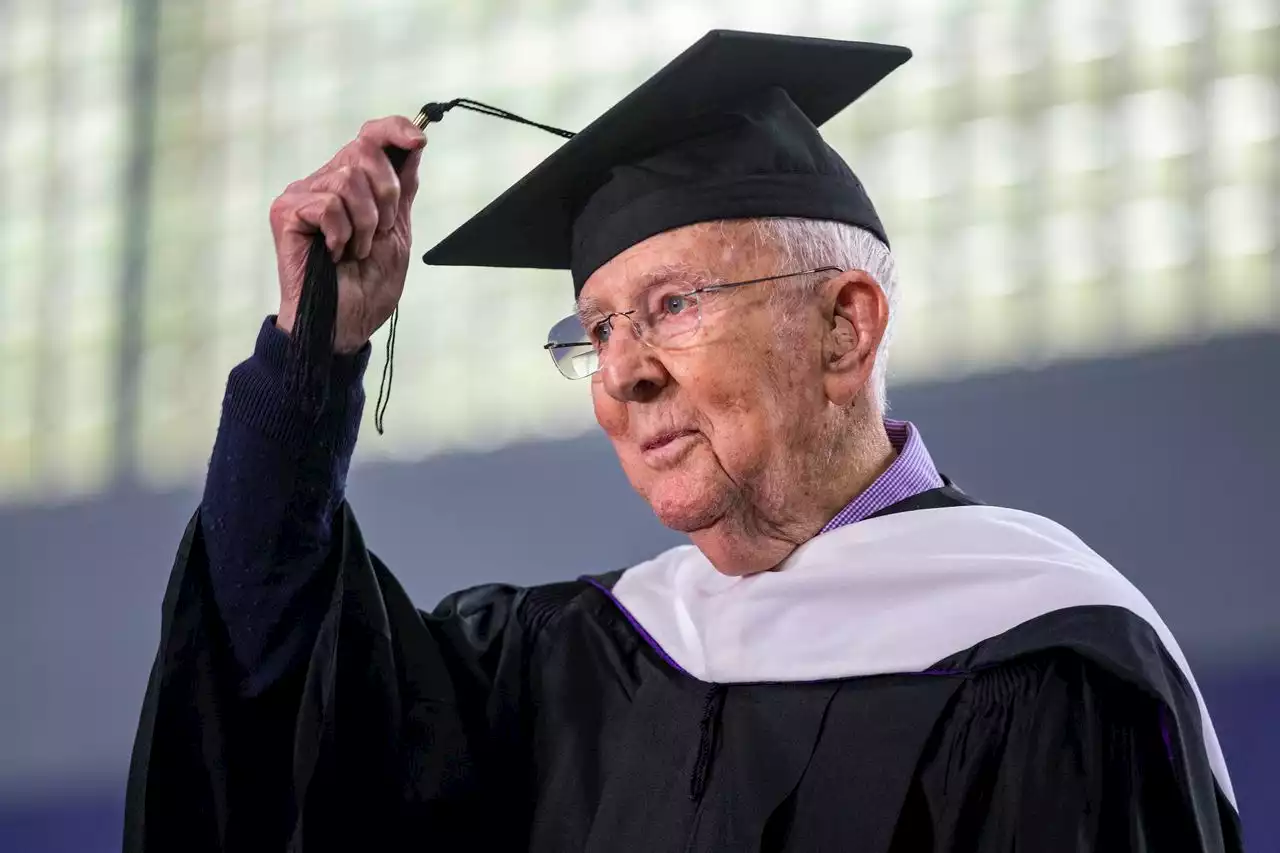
[
  {"x": 732, "y": 284},
  {"x": 711, "y": 287}
]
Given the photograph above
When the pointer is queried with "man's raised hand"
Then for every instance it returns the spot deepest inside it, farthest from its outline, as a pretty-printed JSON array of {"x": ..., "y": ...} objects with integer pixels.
[{"x": 362, "y": 206}]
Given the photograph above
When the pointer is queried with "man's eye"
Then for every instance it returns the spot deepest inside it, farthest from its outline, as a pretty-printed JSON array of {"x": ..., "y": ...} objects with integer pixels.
[
  {"x": 675, "y": 303},
  {"x": 600, "y": 332}
]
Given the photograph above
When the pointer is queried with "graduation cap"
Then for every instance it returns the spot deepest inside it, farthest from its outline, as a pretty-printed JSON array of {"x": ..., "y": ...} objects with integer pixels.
[{"x": 727, "y": 130}]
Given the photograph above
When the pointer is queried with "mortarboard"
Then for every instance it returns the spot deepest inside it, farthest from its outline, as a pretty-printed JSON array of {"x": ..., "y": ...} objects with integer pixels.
[{"x": 727, "y": 130}]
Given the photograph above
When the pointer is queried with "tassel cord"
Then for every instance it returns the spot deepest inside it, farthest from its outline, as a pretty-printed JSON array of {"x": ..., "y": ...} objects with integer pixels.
[{"x": 311, "y": 345}]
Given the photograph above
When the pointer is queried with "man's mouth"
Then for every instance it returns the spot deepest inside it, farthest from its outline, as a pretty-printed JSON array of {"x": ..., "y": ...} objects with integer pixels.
[{"x": 662, "y": 439}]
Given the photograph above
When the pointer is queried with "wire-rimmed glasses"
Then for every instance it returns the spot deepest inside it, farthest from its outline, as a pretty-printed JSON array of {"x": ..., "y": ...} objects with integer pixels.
[{"x": 667, "y": 316}]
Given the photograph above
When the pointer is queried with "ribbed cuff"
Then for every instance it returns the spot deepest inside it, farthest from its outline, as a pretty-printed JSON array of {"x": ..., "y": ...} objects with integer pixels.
[{"x": 258, "y": 396}]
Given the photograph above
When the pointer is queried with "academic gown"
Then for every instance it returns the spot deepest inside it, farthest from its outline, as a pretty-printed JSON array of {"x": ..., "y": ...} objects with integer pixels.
[{"x": 667, "y": 708}]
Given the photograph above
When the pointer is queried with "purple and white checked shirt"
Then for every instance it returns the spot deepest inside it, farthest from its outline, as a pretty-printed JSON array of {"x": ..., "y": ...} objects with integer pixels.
[{"x": 910, "y": 474}]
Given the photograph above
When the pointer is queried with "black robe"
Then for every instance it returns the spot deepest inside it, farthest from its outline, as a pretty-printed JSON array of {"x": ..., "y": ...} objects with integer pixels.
[{"x": 544, "y": 719}]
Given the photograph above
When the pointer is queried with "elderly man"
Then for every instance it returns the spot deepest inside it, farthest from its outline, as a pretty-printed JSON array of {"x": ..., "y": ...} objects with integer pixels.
[{"x": 851, "y": 654}]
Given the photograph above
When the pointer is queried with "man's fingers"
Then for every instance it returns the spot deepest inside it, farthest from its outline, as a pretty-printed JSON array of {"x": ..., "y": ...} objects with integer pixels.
[
  {"x": 351, "y": 184},
  {"x": 325, "y": 210},
  {"x": 409, "y": 183},
  {"x": 358, "y": 194},
  {"x": 393, "y": 130},
  {"x": 384, "y": 182},
  {"x": 363, "y": 209}
]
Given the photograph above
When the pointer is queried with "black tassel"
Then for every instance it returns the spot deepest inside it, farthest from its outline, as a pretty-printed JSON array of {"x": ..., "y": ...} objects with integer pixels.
[
  {"x": 435, "y": 111},
  {"x": 314, "y": 326},
  {"x": 388, "y": 373},
  {"x": 311, "y": 346}
]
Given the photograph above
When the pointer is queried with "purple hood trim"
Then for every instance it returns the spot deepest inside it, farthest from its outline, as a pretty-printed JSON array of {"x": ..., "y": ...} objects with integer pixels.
[{"x": 662, "y": 653}]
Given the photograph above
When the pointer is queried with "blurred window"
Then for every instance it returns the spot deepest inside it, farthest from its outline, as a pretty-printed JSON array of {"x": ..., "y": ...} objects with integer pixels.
[{"x": 1064, "y": 179}]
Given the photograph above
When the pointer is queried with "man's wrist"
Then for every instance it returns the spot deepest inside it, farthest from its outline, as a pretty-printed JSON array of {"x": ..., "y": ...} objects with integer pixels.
[
  {"x": 284, "y": 320},
  {"x": 342, "y": 346},
  {"x": 259, "y": 396}
]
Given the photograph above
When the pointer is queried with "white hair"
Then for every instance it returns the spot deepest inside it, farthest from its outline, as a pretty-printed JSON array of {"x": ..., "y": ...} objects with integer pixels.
[{"x": 810, "y": 243}]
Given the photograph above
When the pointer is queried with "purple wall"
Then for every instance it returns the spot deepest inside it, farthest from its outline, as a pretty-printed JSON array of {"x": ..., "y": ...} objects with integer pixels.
[{"x": 1166, "y": 463}]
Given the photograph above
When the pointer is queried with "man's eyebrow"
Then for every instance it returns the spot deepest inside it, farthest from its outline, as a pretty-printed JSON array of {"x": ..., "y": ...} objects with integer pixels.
[{"x": 589, "y": 307}]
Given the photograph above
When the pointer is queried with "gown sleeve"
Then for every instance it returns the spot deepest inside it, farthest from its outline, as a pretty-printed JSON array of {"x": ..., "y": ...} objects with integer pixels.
[
  {"x": 276, "y": 478},
  {"x": 403, "y": 729},
  {"x": 298, "y": 700},
  {"x": 1054, "y": 754}
]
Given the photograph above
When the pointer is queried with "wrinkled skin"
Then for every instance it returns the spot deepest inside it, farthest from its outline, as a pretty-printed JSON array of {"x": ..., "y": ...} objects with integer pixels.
[
  {"x": 752, "y": 436},
  {"x": 362, "y": 206},
  {"x": 764, "y": 421}
]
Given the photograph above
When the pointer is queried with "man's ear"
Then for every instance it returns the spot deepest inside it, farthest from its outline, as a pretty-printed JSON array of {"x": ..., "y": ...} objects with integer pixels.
[{"x": 857, "y": 314}]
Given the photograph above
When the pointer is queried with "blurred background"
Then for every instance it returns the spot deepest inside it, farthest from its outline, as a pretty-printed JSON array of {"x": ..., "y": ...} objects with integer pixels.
[{"x": 1084, "y": 196}]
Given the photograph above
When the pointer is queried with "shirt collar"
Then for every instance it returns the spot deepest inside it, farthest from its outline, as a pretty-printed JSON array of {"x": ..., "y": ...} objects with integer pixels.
[{"x": 910, "y": 474}]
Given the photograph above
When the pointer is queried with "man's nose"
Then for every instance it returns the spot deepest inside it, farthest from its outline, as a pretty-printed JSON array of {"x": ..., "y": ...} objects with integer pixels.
[{"x": 631, "y": 369}]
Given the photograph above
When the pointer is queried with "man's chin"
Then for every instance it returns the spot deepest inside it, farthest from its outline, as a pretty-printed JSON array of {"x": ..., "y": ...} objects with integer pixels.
[{"x": 687, "y": 507}]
